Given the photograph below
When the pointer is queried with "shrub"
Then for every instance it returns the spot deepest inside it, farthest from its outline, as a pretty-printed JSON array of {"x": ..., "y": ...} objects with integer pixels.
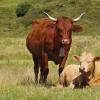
[{"x": 22, "y": 8}]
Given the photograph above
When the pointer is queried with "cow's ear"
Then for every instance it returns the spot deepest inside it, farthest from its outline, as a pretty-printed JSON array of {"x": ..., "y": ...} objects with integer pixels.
[
  {"x": 97, "y": 58},
  {"x": 77, "y": 28},
  {"x": 76, "y": 58}
]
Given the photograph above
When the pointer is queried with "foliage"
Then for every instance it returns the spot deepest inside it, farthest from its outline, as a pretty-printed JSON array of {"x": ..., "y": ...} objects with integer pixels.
[{"x": 22, "y": 8}]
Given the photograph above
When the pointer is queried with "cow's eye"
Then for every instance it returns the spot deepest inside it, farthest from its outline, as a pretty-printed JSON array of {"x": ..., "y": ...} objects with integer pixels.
[{"x": 59, "y": 30}]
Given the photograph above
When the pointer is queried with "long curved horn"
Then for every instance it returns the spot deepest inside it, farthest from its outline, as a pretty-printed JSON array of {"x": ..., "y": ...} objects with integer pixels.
[
  {"x": 54, "y": 19},
  {"x": 79, "y": 17}
]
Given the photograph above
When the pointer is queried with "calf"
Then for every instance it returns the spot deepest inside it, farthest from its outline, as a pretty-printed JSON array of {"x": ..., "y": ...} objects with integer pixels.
[
  {"x": 88, "y": 65},
  {"x": 72, "y": 77}
]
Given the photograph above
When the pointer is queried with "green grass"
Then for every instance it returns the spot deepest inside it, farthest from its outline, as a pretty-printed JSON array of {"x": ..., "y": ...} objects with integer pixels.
[
  {"x": 16, "y": 65},
  {"x": 42, "y": 93},
  {"x": 17, "y": 77}
]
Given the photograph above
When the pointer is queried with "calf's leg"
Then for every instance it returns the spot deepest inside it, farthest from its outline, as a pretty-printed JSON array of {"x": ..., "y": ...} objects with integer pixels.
[{"x": 71, "y": 85}]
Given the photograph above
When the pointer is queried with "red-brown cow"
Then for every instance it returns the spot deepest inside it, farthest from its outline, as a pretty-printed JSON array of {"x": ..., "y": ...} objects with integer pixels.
[{"x": 50, "y": 39}]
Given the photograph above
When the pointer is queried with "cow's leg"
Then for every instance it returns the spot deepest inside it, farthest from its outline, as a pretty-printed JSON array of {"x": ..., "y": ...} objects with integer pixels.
[
  {"x": 45, "y": 66},
  {"x": 41, "y": 74},
  {"x": 60, "y": 67},
  {"x": 36, "y": 68}
]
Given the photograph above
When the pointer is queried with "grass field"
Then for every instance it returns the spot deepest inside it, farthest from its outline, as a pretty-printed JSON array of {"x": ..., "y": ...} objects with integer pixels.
[{"x": 16, "y": 65}]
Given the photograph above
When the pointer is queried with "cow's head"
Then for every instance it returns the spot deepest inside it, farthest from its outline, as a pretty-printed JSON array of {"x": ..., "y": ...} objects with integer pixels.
[
  {"x": 87, "y": 62},
  {"x": 64, "y": 28}
]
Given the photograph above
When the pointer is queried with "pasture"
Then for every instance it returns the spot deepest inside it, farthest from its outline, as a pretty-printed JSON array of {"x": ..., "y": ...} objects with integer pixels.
[{"x": 16, "y": 65}]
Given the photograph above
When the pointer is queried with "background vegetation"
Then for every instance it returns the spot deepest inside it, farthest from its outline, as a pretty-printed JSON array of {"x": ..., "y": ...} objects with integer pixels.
[{"x": 16, "y": 65}]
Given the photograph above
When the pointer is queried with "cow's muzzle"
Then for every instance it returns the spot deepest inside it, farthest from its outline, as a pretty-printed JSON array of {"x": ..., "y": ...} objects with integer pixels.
[
  {"x": 81, "y": 70},
  {"x": 65, "y": 41}
]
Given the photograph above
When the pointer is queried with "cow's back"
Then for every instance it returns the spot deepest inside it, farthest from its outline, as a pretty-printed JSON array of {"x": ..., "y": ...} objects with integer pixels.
[
  {"x": 35, "y": 38},
  {"x": 97, "y": 68},
  {"x": 96, "y": 79}
]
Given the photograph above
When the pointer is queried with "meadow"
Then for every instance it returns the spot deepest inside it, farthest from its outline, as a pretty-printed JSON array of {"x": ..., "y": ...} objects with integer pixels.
[{"x": 16, "y": 65}]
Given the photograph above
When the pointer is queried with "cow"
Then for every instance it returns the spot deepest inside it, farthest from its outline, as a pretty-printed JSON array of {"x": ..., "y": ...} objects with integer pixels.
[{"x": 50, "y": 40}]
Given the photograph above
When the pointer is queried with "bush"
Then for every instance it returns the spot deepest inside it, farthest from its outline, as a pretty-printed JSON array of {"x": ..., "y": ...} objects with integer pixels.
[{"x": 22, "y": 9}]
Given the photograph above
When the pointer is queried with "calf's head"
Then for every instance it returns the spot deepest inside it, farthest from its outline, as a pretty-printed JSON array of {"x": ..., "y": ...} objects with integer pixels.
[{"x": 87, "y": 62}]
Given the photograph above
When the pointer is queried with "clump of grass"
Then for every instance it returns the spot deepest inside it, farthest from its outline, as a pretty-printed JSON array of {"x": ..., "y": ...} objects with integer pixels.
[{"x": 27, "y": 81}]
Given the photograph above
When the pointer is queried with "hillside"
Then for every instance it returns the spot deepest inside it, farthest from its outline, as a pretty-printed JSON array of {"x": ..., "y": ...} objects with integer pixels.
[{"x": 13, "y": 26}]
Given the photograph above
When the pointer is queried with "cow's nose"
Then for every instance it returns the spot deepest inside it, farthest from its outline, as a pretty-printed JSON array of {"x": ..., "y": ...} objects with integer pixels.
[{"x": 65, "y": 41}]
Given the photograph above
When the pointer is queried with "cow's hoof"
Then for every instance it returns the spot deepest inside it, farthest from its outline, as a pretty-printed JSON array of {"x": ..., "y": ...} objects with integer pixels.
[
  {"x": 36, "y": 82},
  {"x": 41, "y": 81}
]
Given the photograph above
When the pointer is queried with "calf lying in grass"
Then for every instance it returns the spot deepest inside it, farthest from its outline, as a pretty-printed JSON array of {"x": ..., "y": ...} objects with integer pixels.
[
  {"x": 80, "y": 75},
  {"x": 72, "y": 77},
  {"x": 90, "y": 65}
]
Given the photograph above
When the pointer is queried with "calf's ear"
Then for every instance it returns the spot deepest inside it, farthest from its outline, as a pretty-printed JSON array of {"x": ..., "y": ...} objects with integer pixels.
[
  {"x": 76, "y": 58},
  {"x": 77, "y": 28},
  {"x": 97, "y": 58}
]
